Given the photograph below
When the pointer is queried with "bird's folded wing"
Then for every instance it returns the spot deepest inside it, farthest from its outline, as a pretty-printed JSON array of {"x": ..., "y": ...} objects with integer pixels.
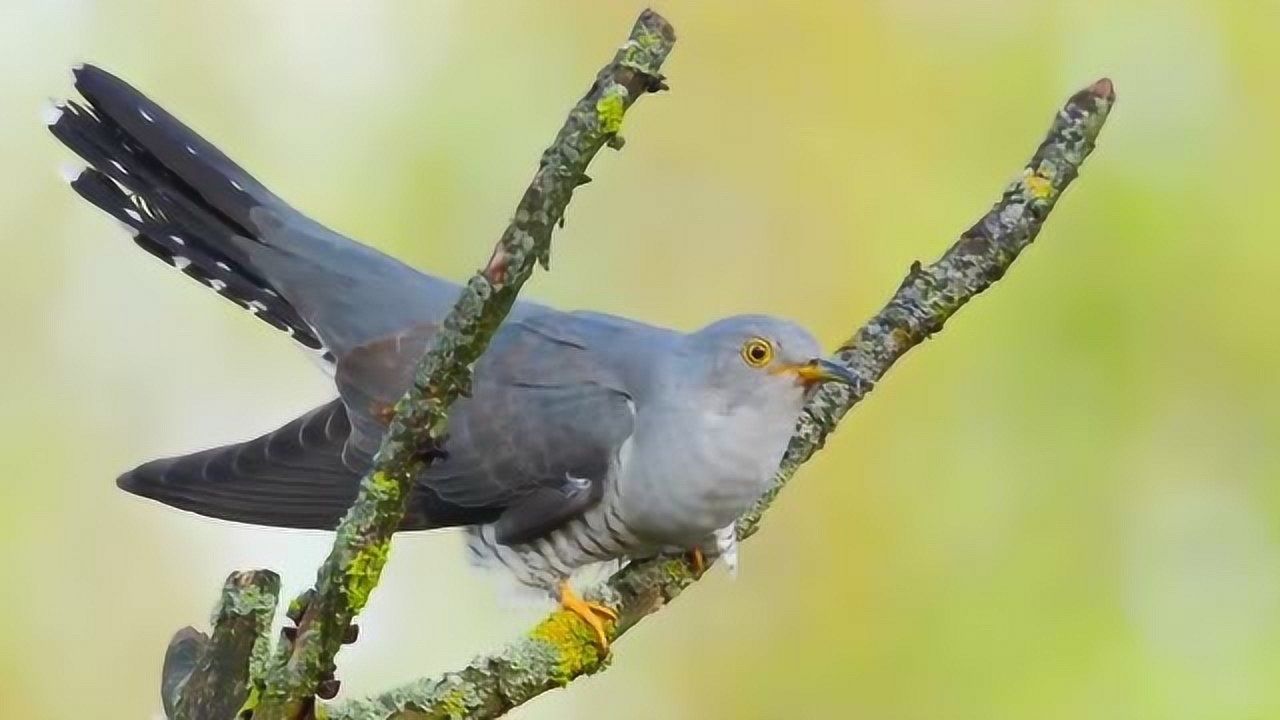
[
  {"x": 295, "y": 476},
  {"x": 545, "y": 412}
]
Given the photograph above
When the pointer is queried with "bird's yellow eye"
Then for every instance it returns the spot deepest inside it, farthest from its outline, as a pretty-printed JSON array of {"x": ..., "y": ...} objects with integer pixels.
[{"x": 757, "y": 352}]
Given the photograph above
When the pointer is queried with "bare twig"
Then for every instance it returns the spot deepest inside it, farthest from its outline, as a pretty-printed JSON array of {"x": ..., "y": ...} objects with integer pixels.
[
  {"x": 304, "y": 666},
  {"x": 560, "y": 649}
]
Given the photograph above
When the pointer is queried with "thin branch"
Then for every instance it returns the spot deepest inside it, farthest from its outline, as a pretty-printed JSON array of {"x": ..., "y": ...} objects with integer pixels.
[
  {"x": 304, "y": 666},
  {"x": 560, "y": 648},
  {"x": 208, "y": 678}
]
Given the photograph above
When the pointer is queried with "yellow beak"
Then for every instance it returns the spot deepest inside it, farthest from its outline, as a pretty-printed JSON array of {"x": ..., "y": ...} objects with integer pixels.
[{"x": 819, "y": 370}]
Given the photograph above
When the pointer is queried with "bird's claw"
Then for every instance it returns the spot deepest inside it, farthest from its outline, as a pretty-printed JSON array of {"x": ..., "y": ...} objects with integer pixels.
[
  {"x": 698, "y": 560},
  {"x": 595, "y": 615}
]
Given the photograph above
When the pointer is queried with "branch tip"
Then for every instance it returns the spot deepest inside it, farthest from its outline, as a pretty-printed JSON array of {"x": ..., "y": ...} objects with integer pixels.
[
  {"x": 1097, "y": 96},
  {"x": 210, "y": 676},
  {"x": 650, "y": 19},
  {"x": 1104, "y": 89}
]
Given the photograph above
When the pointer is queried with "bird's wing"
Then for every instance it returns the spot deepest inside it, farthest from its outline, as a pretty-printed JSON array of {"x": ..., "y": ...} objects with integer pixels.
[
  {"x": 294, "y": 476},
  {"x": 536, "y": 438},
  {"x": 303, "y": 474},
  {"x": 545, "y": 407}
]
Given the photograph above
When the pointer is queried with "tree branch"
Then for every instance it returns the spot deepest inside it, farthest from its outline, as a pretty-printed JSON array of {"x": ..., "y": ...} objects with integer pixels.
[
  {"x": 208, "y": 678},
  {"x": 560, "y": 648},
  {"x": 304, "y": 664}
]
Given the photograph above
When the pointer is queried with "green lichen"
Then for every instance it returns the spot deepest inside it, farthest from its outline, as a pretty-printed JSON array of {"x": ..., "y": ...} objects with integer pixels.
[
  {"x": 251, "y": 700},
  {"x": 253, "y": 599},
  {"x": 454, "y": 704},
  {"x": 363, "y": 573},
  {"x": 1039, "y": 186},
  {"x": 260, "y": 655},
  {"x": 676, "y": 573},
  {"x": 384, "y": 486},
  {"x": 647, "y": 48},
  {"x": 611, "y": 107},
  {"x": 572, "y": 645}
]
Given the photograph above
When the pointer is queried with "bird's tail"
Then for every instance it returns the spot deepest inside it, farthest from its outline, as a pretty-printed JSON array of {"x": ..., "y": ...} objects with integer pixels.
[{"x": 182, "y": 199}]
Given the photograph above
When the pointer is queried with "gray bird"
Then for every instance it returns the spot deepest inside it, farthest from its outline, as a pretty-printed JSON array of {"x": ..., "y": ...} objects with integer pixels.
[{"x": 587, "y": 438}]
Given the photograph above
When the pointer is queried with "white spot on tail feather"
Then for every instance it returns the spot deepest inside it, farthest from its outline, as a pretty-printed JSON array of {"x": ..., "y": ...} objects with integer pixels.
[
  {"x": 237, "y": 186},
  {"x": 137, "y": 217},
  {"x": 180, "y": 262},
  {"x": 192, "y": 150},
  {"x": 322, "y": 361},
  {"x": 51, "y": 112},
  {"x": 116, "y": 164},
  {"x": 70, "y": 172},
  {"x": 177, "y": 240},
  {"x": 217, "y": 284},
  {"x": 145, "y": 115},
  {"x": 223, "y": 266}
]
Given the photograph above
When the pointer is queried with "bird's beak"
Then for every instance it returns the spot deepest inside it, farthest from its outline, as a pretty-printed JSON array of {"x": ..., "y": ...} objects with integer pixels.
[{"x": 819, "y": 370}]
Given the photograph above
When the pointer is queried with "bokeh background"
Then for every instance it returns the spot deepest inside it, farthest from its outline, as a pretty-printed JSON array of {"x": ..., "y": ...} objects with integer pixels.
[{"x": 1065, "y": 506}]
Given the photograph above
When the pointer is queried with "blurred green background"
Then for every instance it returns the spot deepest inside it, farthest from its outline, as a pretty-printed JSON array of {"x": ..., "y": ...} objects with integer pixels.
[{"x": 1065, "y": 506}]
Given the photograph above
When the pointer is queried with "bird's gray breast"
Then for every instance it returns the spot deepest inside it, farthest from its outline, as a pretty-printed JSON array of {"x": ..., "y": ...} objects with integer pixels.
[{"x": 691, "y": 470}]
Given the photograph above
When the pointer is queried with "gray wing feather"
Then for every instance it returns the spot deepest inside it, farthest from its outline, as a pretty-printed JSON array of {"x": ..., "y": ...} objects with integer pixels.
[
  {"x": 292, "y": 477},
  {"x": 544, "y": 407}
]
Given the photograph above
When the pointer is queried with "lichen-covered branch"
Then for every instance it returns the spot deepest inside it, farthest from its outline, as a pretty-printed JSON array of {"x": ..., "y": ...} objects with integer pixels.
[
  {"x": 560, "y": 648},
  {"x": 304, "y": 666},
  {"x": 209, "y": 677}
]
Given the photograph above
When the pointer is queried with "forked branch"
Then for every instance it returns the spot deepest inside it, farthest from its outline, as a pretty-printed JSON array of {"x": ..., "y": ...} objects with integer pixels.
[
  {"x": 560, "y": 648},
  {"x": 304, "y": 660}
]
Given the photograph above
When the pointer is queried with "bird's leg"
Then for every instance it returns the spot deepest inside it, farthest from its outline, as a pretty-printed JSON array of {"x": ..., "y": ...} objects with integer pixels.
[
  {"x": 722, "y": 545},
  {"x": 593, "y": 614},
  {"x": 382, "y": 413},
  {"x": 698, "y": 560}
]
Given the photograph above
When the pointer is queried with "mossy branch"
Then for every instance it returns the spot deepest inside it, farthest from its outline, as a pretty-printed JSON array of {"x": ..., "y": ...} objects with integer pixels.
[
  {"x": 304, "y": 663},
  {"x": 209, "y": 678},
  {"x": 560, "y": 648}
]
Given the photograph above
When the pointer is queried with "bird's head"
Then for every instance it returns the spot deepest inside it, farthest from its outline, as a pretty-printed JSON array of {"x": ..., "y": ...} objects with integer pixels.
[{"x": 762, "y": 361}]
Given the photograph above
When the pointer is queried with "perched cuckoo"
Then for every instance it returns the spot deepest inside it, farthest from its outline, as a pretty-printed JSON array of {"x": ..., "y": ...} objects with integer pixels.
[{"x": 586, "y": 438}]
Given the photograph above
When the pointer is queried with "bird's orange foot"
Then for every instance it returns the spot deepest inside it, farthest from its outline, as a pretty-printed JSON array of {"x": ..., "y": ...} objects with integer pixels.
[
  {"x": 382, "y": 413},
  {"x": 698, "y": 560},
  {"x": 593, "y": 614}
]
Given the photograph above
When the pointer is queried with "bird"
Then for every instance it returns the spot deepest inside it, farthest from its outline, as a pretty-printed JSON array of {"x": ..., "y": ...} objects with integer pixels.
[{"x": 586, "y": 437}]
